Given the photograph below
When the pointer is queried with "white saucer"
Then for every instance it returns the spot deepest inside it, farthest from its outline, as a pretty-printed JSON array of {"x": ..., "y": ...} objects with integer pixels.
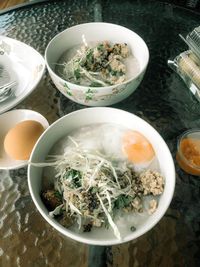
[
  {"x": 21, "y": 63},
  {"x": 9, "y": 120}
]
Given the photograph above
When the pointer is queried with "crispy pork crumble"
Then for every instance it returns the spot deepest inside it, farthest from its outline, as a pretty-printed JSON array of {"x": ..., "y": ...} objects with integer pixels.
[{"x": 152, "y": 182}]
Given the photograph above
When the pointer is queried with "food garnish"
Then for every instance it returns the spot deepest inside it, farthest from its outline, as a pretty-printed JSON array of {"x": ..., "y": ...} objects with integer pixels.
[
  {"x": 99, "y": 65},
  {"x": 95, "y": 189}
]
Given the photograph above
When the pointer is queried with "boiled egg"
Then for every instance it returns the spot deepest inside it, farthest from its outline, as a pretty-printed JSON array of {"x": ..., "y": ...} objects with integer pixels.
[
  {"x": 136, "y": 147},
  {"x": 20, "y": 140},
  {"x": 123, "y": 144}
]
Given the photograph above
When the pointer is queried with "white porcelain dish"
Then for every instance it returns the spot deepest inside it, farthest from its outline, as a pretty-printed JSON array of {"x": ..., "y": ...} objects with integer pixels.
[
  {"x": 96, "y": 32},
  {"x": 74, "y": 120},
  {"x": 9, "y": 120},
  {"x": 21, "y": 63}
]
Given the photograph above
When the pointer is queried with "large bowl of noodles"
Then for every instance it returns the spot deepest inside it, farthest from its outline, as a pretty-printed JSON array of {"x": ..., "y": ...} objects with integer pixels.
[
  {"x": 111, "y": 189},
  {"x": 97, "y": 64}
]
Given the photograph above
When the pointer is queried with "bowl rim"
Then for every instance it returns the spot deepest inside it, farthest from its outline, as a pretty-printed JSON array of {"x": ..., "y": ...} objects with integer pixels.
[
  {"x": 82, "y": 87},
  {"x": 132, "y": 236}
]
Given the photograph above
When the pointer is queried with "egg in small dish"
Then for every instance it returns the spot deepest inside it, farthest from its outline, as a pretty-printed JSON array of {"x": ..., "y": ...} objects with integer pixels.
[
  {"x": 21, "y": 139},
  {"x": 19, "y": 131}
]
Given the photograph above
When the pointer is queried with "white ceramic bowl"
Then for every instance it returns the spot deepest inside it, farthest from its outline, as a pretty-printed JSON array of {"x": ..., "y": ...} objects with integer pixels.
[
  {"x": 20, "y": 63},
  {"x": 74, "y": 120},
  {"x": 96, "y": 32}
]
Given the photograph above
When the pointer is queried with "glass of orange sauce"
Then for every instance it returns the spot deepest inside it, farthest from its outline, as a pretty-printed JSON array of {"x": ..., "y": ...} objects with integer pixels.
[{"x": 188, "y": 152}]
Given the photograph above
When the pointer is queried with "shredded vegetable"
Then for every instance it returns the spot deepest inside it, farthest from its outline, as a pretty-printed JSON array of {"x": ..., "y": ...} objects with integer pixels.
[
  {"x": 96, "y": 66},
  {"x": 92, "y": 188}
]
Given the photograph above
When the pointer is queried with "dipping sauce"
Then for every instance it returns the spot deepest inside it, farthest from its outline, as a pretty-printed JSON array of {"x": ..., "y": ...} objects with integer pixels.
[
  {"x": 20, "y": 140},
  {"x": 188, "y": 154}
]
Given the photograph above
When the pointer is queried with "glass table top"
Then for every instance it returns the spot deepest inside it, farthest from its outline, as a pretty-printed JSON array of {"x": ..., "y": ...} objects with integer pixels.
[{"x": 162, "y": 99}]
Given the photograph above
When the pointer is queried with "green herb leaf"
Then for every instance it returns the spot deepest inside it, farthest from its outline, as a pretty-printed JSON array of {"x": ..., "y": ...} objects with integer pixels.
[
  {"x": 58, "y": 195},
  {"x": 77, "y": 74},
  {"x": 94, "y": 190},
  {"x": 75, "y": 176},
  {"x": 100, "y": 47},
  {"x": 123, "y": 201},
  {"x": 113, "y": 72},
  {"x": 89, "y": 56}
]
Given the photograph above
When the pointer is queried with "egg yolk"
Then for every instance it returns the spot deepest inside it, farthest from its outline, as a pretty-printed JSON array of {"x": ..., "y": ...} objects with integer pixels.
[{"x": 136, "y": 147}]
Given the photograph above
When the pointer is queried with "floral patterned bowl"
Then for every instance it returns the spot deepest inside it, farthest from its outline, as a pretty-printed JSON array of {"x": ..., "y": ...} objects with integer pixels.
[{"x": 96, "y": 32}]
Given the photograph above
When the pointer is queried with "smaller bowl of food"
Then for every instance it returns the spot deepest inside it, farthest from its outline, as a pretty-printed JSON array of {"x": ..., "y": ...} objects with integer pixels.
[
  {"x": 97, "y": 64},
  {"x": 101, "y": 176},
  {"x": 188, "y": 151}
]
